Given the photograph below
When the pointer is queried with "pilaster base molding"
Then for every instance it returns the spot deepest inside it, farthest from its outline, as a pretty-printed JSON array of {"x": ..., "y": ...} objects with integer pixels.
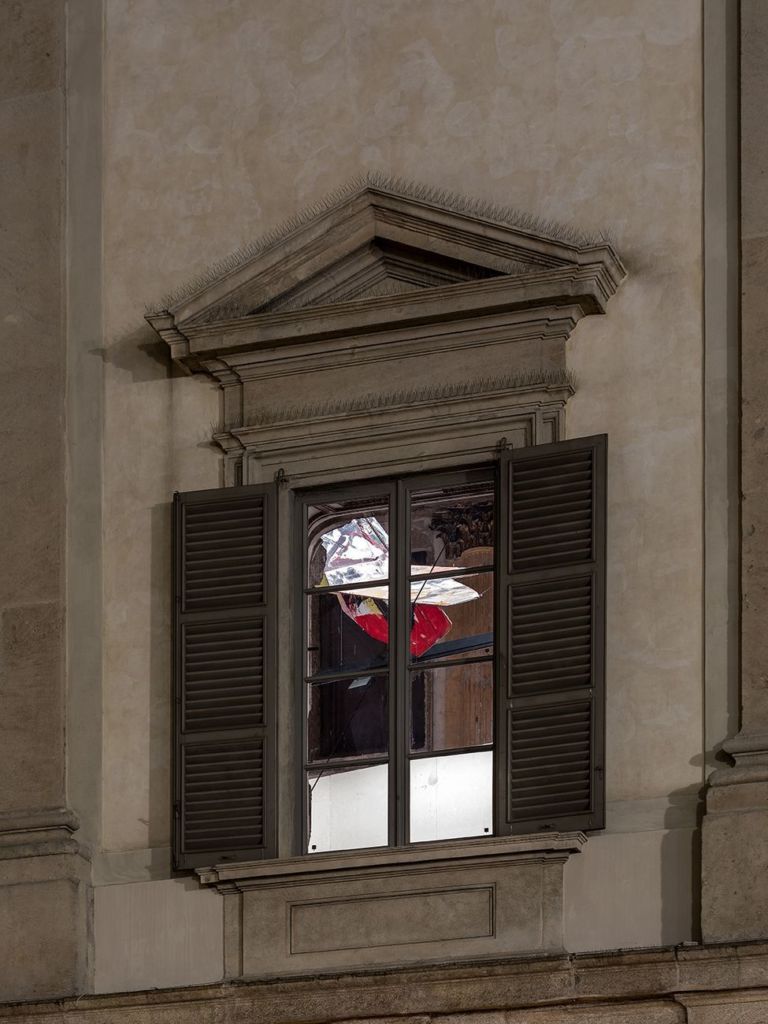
[
  {"x": 749, "y": 751},
  {"x": 36, "y": 833},
  {"x": 45, "y": 905},
  {"x": 735, "y": 844}
]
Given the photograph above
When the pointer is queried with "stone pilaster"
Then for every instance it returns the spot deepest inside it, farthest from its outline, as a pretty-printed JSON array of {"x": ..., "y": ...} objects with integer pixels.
[
  {"x": 735, "y": 828},
  {"x": 44, "y": 899},
  {"x": 44, "y": 873}
]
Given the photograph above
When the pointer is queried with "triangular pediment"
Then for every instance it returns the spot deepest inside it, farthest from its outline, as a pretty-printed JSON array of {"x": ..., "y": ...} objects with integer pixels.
[
  {"x": 377, "y": 237},
  {"x": 383, "y": 256}
]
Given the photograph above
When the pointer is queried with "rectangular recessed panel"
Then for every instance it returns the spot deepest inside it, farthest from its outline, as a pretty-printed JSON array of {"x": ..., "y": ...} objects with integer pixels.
[
  {"x": 224, "y": 795},
  {"x": 223, "y": 561},
  {"x": 391, "y": 919},
  {"x": 223, "y": 675},
  {"x": 550, "y": 636},
  {"x": 549, "y": 760},
  {"x": 551, "y": 510}
]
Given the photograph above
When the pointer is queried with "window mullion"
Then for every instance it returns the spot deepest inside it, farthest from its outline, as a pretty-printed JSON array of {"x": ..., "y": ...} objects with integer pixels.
[
  {"x": 399, "y": 667},
  {"x": 300, "y": 639},
  {"x": 501, "y": 650}
]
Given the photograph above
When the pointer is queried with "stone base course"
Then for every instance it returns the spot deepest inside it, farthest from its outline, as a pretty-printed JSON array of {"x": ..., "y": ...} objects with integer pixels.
[{"x": 726, "y": 984}]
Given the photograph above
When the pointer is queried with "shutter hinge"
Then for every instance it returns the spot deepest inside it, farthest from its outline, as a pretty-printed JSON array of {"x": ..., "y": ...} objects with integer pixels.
[
  {"x": 502, "y": 445},
  {"x": 176, "y": 810},
  {"x": 280, "y": 477}
]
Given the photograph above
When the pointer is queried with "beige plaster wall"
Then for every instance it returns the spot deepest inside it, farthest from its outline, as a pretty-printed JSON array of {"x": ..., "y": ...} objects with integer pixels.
[
  {"x": 32, "y": 469},
  {"x": 754, "y": 263},
  {"x": 631, "y": 889},
  {"x": 223, "y": 118},
  {"x": 156, "y": 935}
]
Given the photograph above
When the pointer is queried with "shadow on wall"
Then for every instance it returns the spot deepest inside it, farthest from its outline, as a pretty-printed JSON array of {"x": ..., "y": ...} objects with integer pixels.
[
  {"x": 138, "y": 350},
  {"x": 637, "y": 886},
  {"x": 681, "y": 869}
]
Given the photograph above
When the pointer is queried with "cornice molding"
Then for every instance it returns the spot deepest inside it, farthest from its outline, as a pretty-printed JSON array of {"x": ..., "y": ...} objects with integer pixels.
[
  {"x": 434, "y": 342},
  {"x": 409, "y": 399},
  {"x": 572, "y": 292},
  {"x": 339, "y": 430},
  {"x": 399, "y": 438}
]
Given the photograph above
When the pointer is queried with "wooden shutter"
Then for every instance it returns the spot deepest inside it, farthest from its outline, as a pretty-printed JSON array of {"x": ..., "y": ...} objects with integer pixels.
[
  {"x": 224, "y": 675},
  {"x": 551, "y": 644}
]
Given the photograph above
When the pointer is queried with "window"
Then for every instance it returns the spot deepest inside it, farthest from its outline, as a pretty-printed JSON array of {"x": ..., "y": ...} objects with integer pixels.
[
  {"x": 449, "y": 657},
  {"x": 398, "y": 661}
]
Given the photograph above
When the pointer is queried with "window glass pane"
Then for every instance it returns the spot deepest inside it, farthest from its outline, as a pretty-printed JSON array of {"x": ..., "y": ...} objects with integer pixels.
[
  {"x": 348, "y": 542},
  {"x": 453, "y": 526},
  {"x": 452, "y": 617},
  {"x": 451, "y": 796},
  {"x": 452, "y": 707},
  {"x": 347, "y": 632},
  {"x": 348, "y": 808},
  {"x": 347, "y": 718}
]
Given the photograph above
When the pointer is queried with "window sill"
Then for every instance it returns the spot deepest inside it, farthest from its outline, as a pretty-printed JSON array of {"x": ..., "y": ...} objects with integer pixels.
[{"x": 423, "y": 856}]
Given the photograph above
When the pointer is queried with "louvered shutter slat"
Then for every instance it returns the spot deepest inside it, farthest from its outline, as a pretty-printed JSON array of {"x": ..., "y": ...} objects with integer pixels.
[
  {"x": 552, "y": 651},
  {"x": 224, "y": 675}
]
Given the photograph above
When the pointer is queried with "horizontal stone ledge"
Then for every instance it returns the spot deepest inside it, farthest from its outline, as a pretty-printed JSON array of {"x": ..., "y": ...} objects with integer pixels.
[
  {"x": 24, "y": 821},
  {"x": 44, "y": 862},
  {"x": 572, "y": 292},
  {"x": 747, "y": 743},
  {"x": 736, "y": 775},
  {"x": 255, "y": 874},
  {"x": 559, "y": 986}
]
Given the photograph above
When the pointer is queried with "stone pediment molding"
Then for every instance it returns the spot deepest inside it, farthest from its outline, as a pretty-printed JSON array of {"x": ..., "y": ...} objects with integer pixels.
[
  {"x": 389, "y": 328},
  {"x": 382, "y": 256}
]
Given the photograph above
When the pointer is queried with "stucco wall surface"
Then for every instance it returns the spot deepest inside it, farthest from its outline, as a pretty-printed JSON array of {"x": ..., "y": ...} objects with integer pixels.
[
  {"x": 222, "y": 119},
  {"x": 32, "y": 477}
]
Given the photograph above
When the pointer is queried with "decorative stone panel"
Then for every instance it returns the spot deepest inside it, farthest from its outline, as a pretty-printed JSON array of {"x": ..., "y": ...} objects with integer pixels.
[{"x": 461, "y": 899}]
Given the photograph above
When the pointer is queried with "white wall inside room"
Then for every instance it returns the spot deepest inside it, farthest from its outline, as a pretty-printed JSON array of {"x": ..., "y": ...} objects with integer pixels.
[
  {"x": 349, "y": 809},
  {"x": 451, "y": 797}
]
